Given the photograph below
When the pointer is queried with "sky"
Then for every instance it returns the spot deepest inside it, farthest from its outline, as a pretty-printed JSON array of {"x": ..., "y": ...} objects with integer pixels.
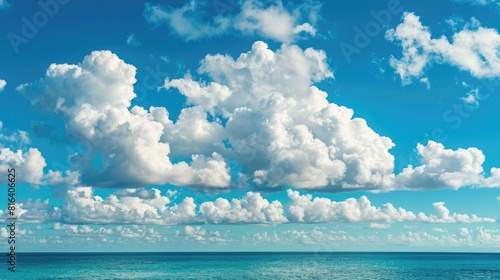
[{"x": 251, "y": 125}]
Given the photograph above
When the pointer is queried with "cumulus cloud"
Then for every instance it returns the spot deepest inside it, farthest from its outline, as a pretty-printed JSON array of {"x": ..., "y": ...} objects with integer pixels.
[
  {"x": 149, "y": 206},
  {"x": 252, "y": 208},
  {"x": 126, "y": 206},
  {"x": 3, "y": 83},
  {"x": 93, "y": 99},
  {"x": 442, "y": 168},
  {"x": 305, "y": 209},
  {"x": 269, "y": 19},
  {"x": 15, "y": 153},
  {"x": 474, "y": 49},
  {"x": 281, "y": 128},
  {"x": 37, "y": 211},
  {"x": 261, "y": 111},
  {"x": 201, "y": 235},
  {"x": 28, "y": 164}
]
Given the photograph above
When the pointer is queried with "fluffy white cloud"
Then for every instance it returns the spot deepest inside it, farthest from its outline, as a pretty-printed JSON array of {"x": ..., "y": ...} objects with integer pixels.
[
  {"x": 126, "y": 206},
  {"x": 181, "y": 22},
  {"x": 94, "y": 99},
  {"x": 442, "y": 168},
  {"x": 14, "y": 153},
  {"x": 269, "y": 19},
  {"x": 37, "y": 211},
  {"x": 325, "y": 239},
  {"x": 303, "y": 208},
  {"x": 3, "y": 83},
  {"x": 473, "y": 49},
  {"x": 28, "y": 165},
  {"x": 261, "y": 111},
  {"x": 201, "y": 235},
  {"x": 252, "y": 208},
  {"x": 281, "y": 128}
]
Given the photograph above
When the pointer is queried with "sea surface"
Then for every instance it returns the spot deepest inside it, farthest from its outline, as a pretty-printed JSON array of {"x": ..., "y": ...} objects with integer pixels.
[{"x": 254, "y": 266}]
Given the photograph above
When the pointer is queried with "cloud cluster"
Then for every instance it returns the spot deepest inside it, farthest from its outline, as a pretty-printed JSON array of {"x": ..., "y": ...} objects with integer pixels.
[
  {"x": 260, "y": 111},
  {"x": 252, "y": 208},
  {"x": 201, "y": 235},
  {"x": 305, "y": 209},
  {"x": 93, "y": 99},
  {"x": 281, "y": 128},
  {"x": 443, "y": 168},
  {"x": 3, "y": 83},
  {"x": 473, "y": 49},
  {"x": 149, "y": 206},
  {"x": 269, "y": 19},
  {"x": 138, "y": 206}
]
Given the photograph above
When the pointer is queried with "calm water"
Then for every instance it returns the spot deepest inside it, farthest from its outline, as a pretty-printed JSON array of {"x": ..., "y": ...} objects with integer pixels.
[{"x": 255, "y": 266}]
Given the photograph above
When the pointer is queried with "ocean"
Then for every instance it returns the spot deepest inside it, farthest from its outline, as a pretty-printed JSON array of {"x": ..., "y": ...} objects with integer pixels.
[{"x": 255, "y": 266}]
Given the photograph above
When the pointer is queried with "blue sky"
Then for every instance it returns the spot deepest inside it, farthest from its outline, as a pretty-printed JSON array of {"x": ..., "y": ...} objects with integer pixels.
[{"x": 252, "y": 125}]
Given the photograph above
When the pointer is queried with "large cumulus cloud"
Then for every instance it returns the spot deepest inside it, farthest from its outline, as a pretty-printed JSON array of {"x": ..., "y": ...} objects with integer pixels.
[{"x": 262, "y": 111}]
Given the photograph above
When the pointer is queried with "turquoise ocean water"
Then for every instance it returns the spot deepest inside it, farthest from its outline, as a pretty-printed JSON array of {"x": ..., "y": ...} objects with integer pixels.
[{"x": 255, "y": 266}]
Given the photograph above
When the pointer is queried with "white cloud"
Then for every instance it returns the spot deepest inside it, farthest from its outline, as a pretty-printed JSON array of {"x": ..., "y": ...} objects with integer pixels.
[
  {"x": 326, "y": 240},
  {"x": 273, "y": 22},
  {"x": 14, "y": 153},
  {"x": 29, "y": 164},
  {"x": 4, "y": 233},
  {"x": 442, "y": 168},
  {"x": 269, "y": 19},
  {"x": 260, "y": 110},
  {"x": 93, "y": 99},
  {"x": 473, "y": 49},
  {"x": 201, "y": 235},
  {"x": 305, "y": 209},
  {"x": 498, "y": 198},
  {"x": 472, "y": 97},
  {"x": 126, "y": 206},
  {"x": 3, "y": 83},
  {"x": 252, "y": 208},
  {"x": 281, "y": 128},
  {"x": 37, "y": 211}
]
